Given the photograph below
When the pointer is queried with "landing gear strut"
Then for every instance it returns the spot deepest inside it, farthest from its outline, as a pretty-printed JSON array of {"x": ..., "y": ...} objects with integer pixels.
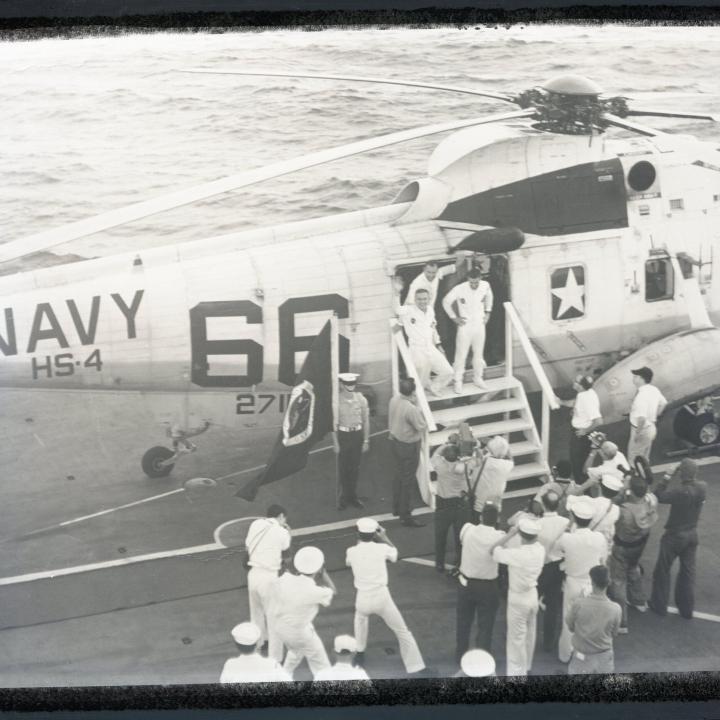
[{"x": 159, "y": 461}]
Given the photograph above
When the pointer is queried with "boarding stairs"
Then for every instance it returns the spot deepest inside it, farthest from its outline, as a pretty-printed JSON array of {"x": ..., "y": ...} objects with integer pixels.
[{"x": 501, "y": 409}]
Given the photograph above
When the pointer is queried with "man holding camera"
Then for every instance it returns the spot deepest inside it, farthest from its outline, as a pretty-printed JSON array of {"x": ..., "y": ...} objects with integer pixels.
[
  {"x": 368, "y": 562},
  {"x": 266, "y": 541},
  {"x": 450, "y": 507},
  {"x": 612, "y": 461},
  {"x": 296, "y": 600}
]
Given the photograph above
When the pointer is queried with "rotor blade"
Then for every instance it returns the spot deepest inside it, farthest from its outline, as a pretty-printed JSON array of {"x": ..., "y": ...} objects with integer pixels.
[
  {"x": 665, "y": 113},
  {"x": 129, "y": 213},
  {"x": 635, "y": 127},
  {"x": 382, "y": 81}
]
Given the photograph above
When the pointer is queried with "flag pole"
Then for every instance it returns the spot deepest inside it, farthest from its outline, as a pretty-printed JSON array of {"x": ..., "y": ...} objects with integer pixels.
[{"x": 334, "y": 370}]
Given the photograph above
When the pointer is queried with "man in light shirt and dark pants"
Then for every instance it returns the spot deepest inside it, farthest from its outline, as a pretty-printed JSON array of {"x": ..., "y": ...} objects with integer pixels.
[
  {"x": 594, "y": 620},
  {"x": 525, "y": 563},
  {"x": 267, "y": 539},
  {"x": 478, "y": 590},
  {"x": 450, "y": 507},
  {"x": 585, "y": 418},
  {"x": 368, "y": 562},
  {"x": 406, "y": 426},
  {"x": 647, "y": 405}
]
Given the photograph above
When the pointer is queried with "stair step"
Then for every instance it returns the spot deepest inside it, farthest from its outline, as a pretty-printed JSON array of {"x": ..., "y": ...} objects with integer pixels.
[
  {"x": 524, "y": 447},
  {"x": 526, "y": 470},
  {"x": 493, "y": 385},
  {"x": 502, "y": 427},
  {"x": 523, "y": 492},
  {"x": 460, "y": 413}
]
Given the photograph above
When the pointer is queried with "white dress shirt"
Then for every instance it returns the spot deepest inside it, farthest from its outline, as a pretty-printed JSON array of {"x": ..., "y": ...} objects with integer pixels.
[
  {"x": 582, "y": 549},
  {"x": 552, "y": 526},
  {"x": 251, "y": 669},
  {"x": 296, "y": 599},
  {"x": 476, "y": 562},
  {"x": 610, "y": 467},
  {"x": 586, "y": 409},
  {"x": 342, "y": 671},
  {"x": 422, "y": 283},
  {"x": 646, "y": 403},
  {"x": 525, "y": 563},
  {"x": 471, "y": 304},
  {"x": 492, "y": 483},
  {"x": 368, "y": 563},
  {"x": 420, "y": 327},
  {"x": 605, "y": 517},
  {"x": 266, "y": 540}
]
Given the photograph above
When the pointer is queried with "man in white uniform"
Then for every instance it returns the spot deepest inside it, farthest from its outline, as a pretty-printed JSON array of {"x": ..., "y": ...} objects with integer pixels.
[
  {"x": 525, "y": 563},
  {"x": 267, "y": 539},
  {"x": 581, "y": 549},
  {"x": 647, "y": 405},
  {"x": 418, "y": 321},
  {"x": 367, "y": 561},
  {"x": 473, "y": 300},
  {"x": 250, "y": 665},
  {"x": 429, "y": 279},
  {"x": 585, "y": 418},
  {"x": 605, "y": 511},
  {"x": 345, "y": 647},
  {"x": 611, "y": 458},
  {"x": 295, "y": 602}
]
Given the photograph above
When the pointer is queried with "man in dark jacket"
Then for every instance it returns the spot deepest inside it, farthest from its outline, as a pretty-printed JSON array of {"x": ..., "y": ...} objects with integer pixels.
[{"x": 686, "y": 498}]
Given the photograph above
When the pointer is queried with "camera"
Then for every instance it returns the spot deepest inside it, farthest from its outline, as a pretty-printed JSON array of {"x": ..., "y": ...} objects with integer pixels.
[{"x": 596, "y": 438}]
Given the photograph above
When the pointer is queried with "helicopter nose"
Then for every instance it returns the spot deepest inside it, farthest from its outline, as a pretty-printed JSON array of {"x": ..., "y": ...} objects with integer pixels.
[{"x": 572, "y": 85}]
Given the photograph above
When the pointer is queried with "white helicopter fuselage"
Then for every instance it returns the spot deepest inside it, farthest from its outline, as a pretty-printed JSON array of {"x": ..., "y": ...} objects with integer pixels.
[{"x": 217, "y": 328}]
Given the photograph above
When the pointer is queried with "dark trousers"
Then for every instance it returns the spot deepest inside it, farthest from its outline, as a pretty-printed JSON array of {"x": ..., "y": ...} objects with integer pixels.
[
  {"x": 349, "y": 463},
  {"x": 449, "y": 512},
  {"x": 550, "y": 590},
  {"x": 625, "y": 575},
  {"x": 480, "y": 599},
  {"x": 683, "y": 545},
  {"x": 579, "y": 451},
  {"x": 406, "y": 457}
]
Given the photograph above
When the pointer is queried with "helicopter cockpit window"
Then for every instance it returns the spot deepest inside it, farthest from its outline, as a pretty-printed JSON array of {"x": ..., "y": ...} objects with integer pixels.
[
  {"x": 659, "y": 280},
  {"x": 567, "y": 287}
]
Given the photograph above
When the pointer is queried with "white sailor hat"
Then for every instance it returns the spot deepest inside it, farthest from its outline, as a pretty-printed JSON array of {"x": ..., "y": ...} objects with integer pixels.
[
  {"x": 246, "y": 633},
  {"x": 612, "y": 482},
  {"x": 477, "y": 663},
  {"x": 367, "y": 525},
  {"x": 582, "y": 510},
  {"x": 345, "y": 643},
  {"x": 349, "y": 378},
  {"x": 308, "y": 560},
  {"x": 529, "y": 525}
]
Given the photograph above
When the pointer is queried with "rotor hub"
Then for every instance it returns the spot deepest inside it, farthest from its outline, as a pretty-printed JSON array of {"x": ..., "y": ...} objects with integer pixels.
[{"x": 573, "y": 85}]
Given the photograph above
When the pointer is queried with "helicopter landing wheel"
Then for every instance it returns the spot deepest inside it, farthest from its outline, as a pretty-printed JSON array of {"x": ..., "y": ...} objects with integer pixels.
[
  {"x": 153, "y": 462},
  {"x": 700, "y": 430}
]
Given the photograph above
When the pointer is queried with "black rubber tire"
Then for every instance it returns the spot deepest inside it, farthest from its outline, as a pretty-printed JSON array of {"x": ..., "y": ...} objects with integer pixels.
[
  {"x": 700, "y": 430},
  {"x": 151, "y": 462}
]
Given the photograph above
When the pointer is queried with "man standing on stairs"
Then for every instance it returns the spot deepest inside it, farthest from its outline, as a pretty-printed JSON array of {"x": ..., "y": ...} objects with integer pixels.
[
  {"x": 418, "y": 321},
  {"x": 469, "y": 305}
]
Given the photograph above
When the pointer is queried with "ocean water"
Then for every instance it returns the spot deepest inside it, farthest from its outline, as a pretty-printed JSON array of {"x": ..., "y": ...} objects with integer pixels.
[{"x": 89, "y": 125}]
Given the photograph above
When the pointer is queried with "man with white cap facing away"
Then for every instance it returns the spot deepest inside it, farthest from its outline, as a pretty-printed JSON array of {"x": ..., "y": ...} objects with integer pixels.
[
  {"x": 581, "y": 549},
  {"x": 351, "y": 438},
  {"x": 476, "y": 663},
  {"x": 605, "y": 511},
  {"x": 345, "y": 647},
  {"x": 525, "y": 563},
  {"x": 368, "y": 562},
  {"x": 250, "y": 665},
  {"x": 296, "y": 600}
]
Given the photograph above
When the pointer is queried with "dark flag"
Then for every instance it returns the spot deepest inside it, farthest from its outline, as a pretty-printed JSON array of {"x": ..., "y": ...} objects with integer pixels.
[{"x": 308, "y": 418}]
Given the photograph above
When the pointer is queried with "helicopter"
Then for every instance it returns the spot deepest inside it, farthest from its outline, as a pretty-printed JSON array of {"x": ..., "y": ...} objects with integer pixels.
[{"x": 603, "y": 245}]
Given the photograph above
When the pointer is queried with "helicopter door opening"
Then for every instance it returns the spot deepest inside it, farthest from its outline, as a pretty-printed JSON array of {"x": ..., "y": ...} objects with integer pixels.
[{"x": 495, "y": 270}]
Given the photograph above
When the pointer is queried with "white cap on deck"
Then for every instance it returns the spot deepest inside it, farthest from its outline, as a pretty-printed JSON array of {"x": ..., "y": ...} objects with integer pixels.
[
  {"x": 309, "y": 560},
  {"x": 477, "y": 663},
  {"x": 246, "y": 633},
  {"x": 367, "y": 525},
  {"x": 345, "y": 643}
]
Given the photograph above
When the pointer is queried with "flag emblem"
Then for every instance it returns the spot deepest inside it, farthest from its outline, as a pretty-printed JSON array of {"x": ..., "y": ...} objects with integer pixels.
[
  {"x": 298, "y": 420},
  {"x": 568, "y": 292}
]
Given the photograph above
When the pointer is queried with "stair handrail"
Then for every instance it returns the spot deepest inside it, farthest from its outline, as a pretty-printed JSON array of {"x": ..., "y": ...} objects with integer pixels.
[
  {"x": 400, "y": 344},
  {"x": 531, "y": 354}
]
